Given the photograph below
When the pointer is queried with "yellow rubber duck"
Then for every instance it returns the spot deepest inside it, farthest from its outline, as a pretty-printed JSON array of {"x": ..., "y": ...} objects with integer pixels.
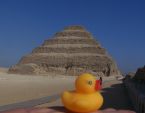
[{"x": 86, "y": 98}]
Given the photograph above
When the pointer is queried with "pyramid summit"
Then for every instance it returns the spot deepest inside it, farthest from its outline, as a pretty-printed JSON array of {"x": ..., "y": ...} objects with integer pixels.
[
  {"x": 74, "y": 27},
  {"x": 71, "y": 51}
]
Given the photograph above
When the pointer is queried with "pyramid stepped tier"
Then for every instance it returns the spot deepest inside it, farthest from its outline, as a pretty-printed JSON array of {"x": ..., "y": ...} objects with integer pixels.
[
  {"x": 61, "y": 59},
  {"x": 76, "y": 27},
  {"x": 73, "y": 33},
  {"x": 69, "y": 49},
  {"x": 70, "y": 52},
  {"x": 70, "y": 40}
]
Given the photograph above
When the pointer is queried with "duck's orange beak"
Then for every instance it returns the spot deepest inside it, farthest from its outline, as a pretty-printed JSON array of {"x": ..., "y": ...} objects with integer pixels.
[{"x": 98, "y": 85}]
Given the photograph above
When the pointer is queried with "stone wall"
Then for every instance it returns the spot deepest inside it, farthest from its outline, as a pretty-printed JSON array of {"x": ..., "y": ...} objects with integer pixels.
[{"x": 137, "y": 98}]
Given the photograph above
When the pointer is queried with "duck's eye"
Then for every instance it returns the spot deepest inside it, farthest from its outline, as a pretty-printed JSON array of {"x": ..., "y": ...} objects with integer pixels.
[{"x": 90, "y": 82}]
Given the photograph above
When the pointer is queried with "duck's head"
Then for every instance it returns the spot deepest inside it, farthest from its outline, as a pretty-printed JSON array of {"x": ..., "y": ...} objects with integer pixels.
[{"x": 86, "y": 83}]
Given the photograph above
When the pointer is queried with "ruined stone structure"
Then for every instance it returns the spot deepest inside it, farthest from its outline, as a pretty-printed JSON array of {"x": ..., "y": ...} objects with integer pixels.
[
  {"x": 135, "y": 90},
  {"x": 140, "y": 75},
  {"x": 70, "y": 52}
]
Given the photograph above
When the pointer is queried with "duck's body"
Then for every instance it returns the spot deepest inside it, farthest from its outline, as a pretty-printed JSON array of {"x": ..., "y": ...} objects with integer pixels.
[
  {"x": 86, "y": 98},
  {"x": 82, "y": 102}
]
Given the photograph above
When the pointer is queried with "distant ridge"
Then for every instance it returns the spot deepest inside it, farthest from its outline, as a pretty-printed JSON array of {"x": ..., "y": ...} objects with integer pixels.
[
  {"x": 71, "y": 51},
  {"x": 2, "y": 69}
]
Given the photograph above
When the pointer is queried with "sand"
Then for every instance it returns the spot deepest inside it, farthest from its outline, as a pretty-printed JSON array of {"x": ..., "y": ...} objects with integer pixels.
[
  {"x": 3, "y": 70},
  {"x": 17, "y": 88}
]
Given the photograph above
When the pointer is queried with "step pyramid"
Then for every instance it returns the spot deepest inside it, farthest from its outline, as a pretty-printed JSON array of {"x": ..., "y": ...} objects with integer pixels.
[{"x": 69, "y": 52}]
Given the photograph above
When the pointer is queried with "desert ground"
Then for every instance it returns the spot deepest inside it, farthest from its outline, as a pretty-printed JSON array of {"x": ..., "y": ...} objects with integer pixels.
[
  {"x": 3, "y": 70},
  {"x": 16, "y": 88}
]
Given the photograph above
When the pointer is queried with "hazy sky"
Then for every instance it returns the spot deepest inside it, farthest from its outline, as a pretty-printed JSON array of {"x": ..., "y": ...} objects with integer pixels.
[{"x": 119, "y": 25}]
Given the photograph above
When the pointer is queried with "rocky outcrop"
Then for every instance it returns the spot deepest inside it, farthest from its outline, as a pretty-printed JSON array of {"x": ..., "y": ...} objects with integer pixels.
[
  {"x": 70, "y": 52},
  {"x": 140, "y": 75}
]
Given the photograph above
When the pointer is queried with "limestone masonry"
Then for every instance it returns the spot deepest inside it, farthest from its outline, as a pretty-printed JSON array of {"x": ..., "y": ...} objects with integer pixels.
[{"x": 70, "y": 52}]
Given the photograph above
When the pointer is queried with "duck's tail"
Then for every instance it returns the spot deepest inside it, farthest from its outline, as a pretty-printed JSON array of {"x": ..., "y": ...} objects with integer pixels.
[{"x": 66, "y": 96}]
